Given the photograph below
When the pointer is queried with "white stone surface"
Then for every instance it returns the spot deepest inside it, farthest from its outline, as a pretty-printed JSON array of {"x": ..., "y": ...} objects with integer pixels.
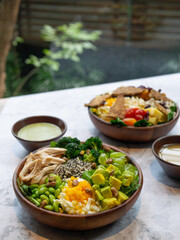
[{"x": 156, "y": 214}]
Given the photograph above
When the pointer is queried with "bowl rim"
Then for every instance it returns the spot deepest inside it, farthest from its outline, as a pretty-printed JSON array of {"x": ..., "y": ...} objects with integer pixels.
[
  {"x": 157, "y": 156},
  {"x": 132, "y": 127},
  {"x": 39, "y": 116},
  {"x": 18, "y": 192}
]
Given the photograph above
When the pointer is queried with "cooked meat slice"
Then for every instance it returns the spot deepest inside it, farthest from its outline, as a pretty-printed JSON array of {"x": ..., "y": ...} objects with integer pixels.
[
  {"x": 161, "y": 108},
  {"x": 43, "y": 172},
  {"x": 30, "y": 170},
  {"x": 118, "y": 109},
  {"x": 158, "y": 95},
  {"x": 127, "y": 91},
  {"x": 98, "y": 101},
  {"x": 54, "y": 152}
]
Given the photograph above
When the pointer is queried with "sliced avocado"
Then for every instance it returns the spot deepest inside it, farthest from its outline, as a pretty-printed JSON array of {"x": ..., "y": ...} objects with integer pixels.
[
  {"x": 106, "y": 192},
  {"x": 109, "y": 203},
  {"x": 112, "y": 168},
  {"x": 103, "y": 172},
  {"x": 96, "y": 187},
  {"x": 122, "y": 197},
  {"x": 114, "y": 182},
  {"x": 98, "y": 179},
  {"x": 127, "y": 178},
  {"x": 99, "y": 197}
]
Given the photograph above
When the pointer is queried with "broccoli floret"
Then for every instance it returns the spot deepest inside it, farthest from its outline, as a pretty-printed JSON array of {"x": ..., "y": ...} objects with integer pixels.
[
  {"x": 93, "y": 143},
  {"x": 72, "y": 150},
  {"x": 66, "y": 140},
  {"x": 92, "y": 156}
]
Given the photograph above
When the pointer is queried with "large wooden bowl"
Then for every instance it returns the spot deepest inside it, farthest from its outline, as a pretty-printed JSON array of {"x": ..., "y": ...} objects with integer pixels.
[
  {"x": 133, "y": 134},
  {"x": 77, "y": 222}
]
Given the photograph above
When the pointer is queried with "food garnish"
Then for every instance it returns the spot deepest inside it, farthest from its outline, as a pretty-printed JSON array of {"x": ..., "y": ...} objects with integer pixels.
[
  {"x": 134, "y": 106},
  {"x": 71, "y": 177}
]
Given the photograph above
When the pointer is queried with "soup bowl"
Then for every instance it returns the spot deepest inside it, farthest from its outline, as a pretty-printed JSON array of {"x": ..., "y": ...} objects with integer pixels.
[
  {"x": 78, "y": 222},
  {"x": 32, "y": 145}
]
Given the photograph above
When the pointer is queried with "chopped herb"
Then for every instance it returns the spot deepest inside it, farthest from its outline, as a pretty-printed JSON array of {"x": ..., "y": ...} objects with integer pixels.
[
  {"x": 118, "y": 122},
  {"x": 142, "y": 123}
]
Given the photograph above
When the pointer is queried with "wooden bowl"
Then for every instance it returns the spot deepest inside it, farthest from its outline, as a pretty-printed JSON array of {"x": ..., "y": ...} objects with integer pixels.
[
  {"x": 133, "y": 134},
  {"x": 77, "y": 222},
  {"x": 170, "y": 169},
  {"x": 33, "y": 145}
]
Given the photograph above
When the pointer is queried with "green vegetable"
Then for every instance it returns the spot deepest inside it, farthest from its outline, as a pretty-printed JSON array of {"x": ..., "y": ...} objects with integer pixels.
[
  {"x": 56, "y": 206},
  {"x": 57, "y": 192},
  {"x": 51, "y": 198},
  {"x": 44, "y": 197},
  {"x": 42, "y": 190},
  {"x": 93, "y": 143},
  {"x": 63, "y": 142},
  {"x": 48, "y": 207},
  {"x": 51, "y": 190},
  {"x": 170, "y": 116},
  {"x": 87, "y": 175},
  {"x": 132, "y": 188},
  {"x": 92, "y": 156},
  {"x": 142, "y": 123},
  {"x": 118, "y": 122},
  {"x": 173, "y": 108}
]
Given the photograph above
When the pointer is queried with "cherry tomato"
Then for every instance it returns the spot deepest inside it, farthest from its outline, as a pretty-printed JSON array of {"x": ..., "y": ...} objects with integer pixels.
[
  {"x": 130, "y": 113},
  {"x": 136, "y": 113},
  {"x": 129, "y": 121}
]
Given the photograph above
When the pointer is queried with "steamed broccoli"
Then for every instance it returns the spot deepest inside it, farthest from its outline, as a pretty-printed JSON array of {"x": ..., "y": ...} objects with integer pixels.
[
  {"x": 93, "y": 143},
  {"x": 63, "y": 142},
  {"x": 72, "y": 150},
  {"x": 92, "y": 156}
]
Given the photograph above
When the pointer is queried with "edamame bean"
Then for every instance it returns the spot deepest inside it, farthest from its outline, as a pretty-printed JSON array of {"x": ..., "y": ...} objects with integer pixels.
[
  {"x": 39, "y": 200},
  {"x": 56, "y": 206},
  {"x": 51, "y": 190},
  {"x": 55, "y": 176},
  {"x": 42, "y": 185},
  {"x": 42, "y": 190},
  {"x": 58, "y": 183},
  {"x": 51, "y": 198},
  {"x": 33, "y": 186},
  {"x": 44, "y": 197},
  {"x": 34, "y": 195},
  {"x": 46, "y": 180},
  {"x": 57, "y": 192},
  {"x": 25, "y": 188},
  {"x": 37, "y": 192},
  {"x": 49, "y": 207},
  {"x": 47, "y": 193}
]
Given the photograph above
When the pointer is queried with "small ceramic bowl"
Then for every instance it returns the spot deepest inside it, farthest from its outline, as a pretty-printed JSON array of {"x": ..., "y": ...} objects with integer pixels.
[
  {"x": 133, "y": 134},
  {"x": 170, "y": 169},
  {"x": 33, "y": 145},
  {"x": 78, "y": 222}
]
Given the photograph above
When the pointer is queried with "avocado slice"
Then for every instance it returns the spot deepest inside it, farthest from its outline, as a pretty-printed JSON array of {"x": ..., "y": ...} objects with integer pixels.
[
  {"x": 103, "y": 172},
  {"x": 98, "y": 196},
  {"x": 106, "y": 192},
  {"x": 127, "y": 178},
  {"x": 122, "y": 197},
  {"x": 109, "y": 203},
  {"x": 98, "y": 179},
  {"x": 114, "y": 182}
]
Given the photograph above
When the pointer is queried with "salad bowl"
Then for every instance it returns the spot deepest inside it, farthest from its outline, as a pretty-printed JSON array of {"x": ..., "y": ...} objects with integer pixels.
[{"x": 78, "y": 222}]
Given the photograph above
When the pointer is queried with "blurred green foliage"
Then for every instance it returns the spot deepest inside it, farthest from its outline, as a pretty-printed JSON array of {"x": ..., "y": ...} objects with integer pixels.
[{"x": 67, "y": 42}]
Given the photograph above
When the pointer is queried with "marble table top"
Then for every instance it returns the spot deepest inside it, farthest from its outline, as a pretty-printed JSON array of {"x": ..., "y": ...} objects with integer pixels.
[{"x": 155, "y": 215}]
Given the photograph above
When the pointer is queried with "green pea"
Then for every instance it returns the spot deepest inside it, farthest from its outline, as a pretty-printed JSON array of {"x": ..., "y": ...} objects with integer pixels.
[
  {"x": 42, "y": 185},
  {"x": 47, "y": 193},
  {"x": 44, "y": 197},
  {"x": 56, "y": 206},
  {"x": 58, "y": 183},
  {"x": 51, "y": 190},
  {"x": 49, "y": 207},
  {"x": 42, "y": 190},
  {"x": 34, "y": 195},
  {"x": 51, "y": 198},
  {"x": 62, "y": 185},
  {"x": 33, "y": 186},
  {"x": 46, "y": 180},
  {"x": 57, "y": 192}
]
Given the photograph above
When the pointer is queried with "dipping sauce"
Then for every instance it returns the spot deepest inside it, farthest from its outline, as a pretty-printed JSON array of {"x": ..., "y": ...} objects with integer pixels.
[
  {"x": 39, "y": 131},
  {"x": 170, "y": 153}
]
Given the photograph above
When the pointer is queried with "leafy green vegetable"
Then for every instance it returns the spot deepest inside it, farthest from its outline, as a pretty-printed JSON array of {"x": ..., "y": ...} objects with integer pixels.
[
  {"x": 93, "y": 143},
  {"x": 87, "y": 176},
  {"x": 132, "y": 188},
  {"x": 118, "y": 122},
  {"x": 173, "y": 108},
  {"x": 170, "y": 116},
  {"x": 142, "y": 123}
]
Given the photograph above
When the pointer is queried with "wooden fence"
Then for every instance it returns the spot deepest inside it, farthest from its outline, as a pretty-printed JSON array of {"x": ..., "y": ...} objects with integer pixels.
[{"x": 121, "y": 21}]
